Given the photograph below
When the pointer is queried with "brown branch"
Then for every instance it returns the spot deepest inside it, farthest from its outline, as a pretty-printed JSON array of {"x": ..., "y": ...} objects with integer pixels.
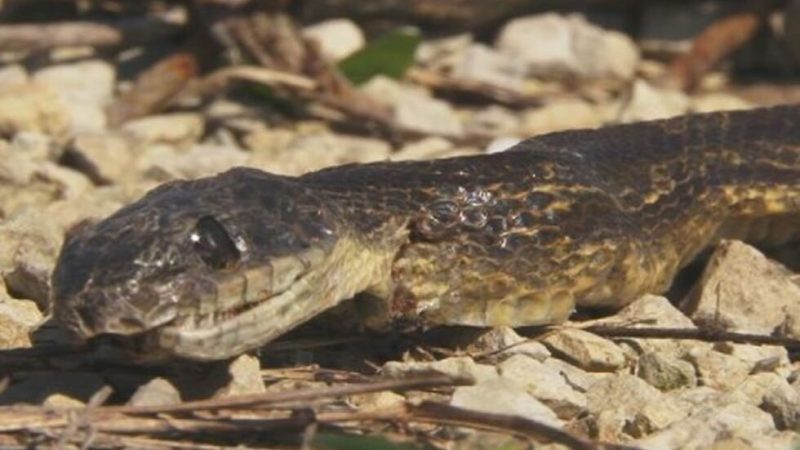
[
  {"x": 17, "y": 418},
  {"x": 713, "y": 45},
  {"x": 465, "y": 90},
  {"x": 35, "y": 37},
  {"x": 450, "y": 415},
  {"x": 271, "y": 398},
  {"x": 699, "y": 334},
  {"x": 154, "y": 88}
]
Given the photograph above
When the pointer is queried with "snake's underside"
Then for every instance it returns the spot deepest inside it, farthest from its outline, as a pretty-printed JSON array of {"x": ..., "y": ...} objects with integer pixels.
[{"x": 210, "y": 268}]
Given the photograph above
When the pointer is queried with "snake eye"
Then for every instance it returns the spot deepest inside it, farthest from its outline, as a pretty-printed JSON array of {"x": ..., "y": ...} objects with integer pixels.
[{"x": 213, "y": 244}]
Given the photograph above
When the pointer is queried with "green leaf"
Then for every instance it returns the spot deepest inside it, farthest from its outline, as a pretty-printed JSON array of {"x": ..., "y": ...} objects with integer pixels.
[
  {"x": 390, "y": 55},
  {"x": 331, "y": 441}
]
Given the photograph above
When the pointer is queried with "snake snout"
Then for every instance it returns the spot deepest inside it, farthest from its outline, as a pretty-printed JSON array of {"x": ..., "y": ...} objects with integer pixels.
[{"x": 98, "y": 312}]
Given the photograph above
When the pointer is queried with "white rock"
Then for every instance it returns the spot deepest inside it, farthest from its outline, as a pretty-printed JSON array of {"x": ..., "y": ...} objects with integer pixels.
[
  {"x": 457, "y": 367},
  {"x": 414, "y": 108},
  {"x": 443, "y": 54},
  {"x": 718, "y": 370},
  {"x": 296, "y": 154},
  {"x": 648, "y": 102},
  {"x": 654, "y": 311},
  {"x": 426, "y": 148},
  {"x": 544, "y": 383},
  {"x": 17, "y": 319},
  {"x": 179, "y": 130},
  {"x": 626, "y": 405},
  {"x": 391, "y": 91},
  {"x": 12, "y": 75},
  {"x": 338, "y": 38},
  {"x": 162, "y": 163},
  {"x": 666, "y": 372},
  {"x": 718, "y": 101},
  {"x": 503, "y": 396},
  {"x": 501, "y": 144},
  {"x": 712, "y": 424},
  {"x": 105, "y": 157},
  {"x": 744, "y": 291},
  {"x": 29, "y": 244},
  {"x": 156, "y": 392},
  {"x": 503, "y": 342},
  {"x": 428, "y": 115},
  {"x": 552, "y": 44},
  {"x": 493, "y": 120},
  {"x": 85, "y": 87},
  {"x": 576, "y": 377},
  {"x": 482, "y": 64},
  {"x": 586, "y": 350},
  {"x": 36, "y": 146},
  {"x": 559, "y": 115},
  {"x": 33, "y": 107},
  {"x": 245, "y": 377}
]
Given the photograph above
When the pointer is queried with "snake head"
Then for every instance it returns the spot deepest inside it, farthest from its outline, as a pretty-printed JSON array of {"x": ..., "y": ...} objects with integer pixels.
[{"x": 199, "y": 269}]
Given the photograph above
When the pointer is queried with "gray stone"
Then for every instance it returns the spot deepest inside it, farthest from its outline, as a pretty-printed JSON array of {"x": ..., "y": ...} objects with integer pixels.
[
  {"x": 492, "y": 121},
  {"x": 337, "y": 38},
  {"x": 712, "y": 424},
  {"x": 441, "y": 55},
  {"x": 13, "y": 75},
  {"x": 85, "y": 88},
  {"x": 482, "y": 64},
  {"x": 457, "y": 367},
  {"x": 625, "y": 405},
  {"x": 760, "y": 358},
  {"x": 105, "y": 158},
  {"x": 719, "y": 101},
  {"x": 179, "y": 130},
  {"x": 29, "y": 245},
  {"x": 579, "y": 379},
  {"x": 651, "y": 311},
  {"x": 718, "y": 370},
  {"x": 742, "y": 290},
  {"x": 500, "y": 343},
  {"x": 33, "y": 107},
  {"x": 648, "y": 102},
  {"x": 544, "y": 383},
  {"x": 586, "y": 350},
  {"x": 575, "y": 48},
  {"x": 503, "y": 396},
  {"x": 17, "y": 319},
  {"x": 246, "y": 378},
  {"x": 36, "y": 146},
  {"x": 501, "y": 144},
  {"x": 665, "y": 372},
  {"x": 414, "y": 108},
  {"x": 156, "y": 392},
  {"x": 163, "y": 163},
  {"x": 428, "y": 115},
  {"x": 425, "y": 148},
  {"x": 295, "y": 154},
  {"x": 560, "y": 115},
  {"x": 783, "y": 403}
]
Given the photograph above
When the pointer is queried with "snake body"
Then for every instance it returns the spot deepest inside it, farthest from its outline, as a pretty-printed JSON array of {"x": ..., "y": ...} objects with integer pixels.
[{"x": 210, "y": 268}]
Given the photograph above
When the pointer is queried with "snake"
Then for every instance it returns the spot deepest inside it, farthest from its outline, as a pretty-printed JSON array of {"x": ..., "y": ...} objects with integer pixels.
[{"x": 210, "y": 268}]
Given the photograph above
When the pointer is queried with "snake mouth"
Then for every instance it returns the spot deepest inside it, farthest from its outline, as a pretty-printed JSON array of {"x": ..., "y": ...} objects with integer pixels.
[
  {"x": 245, "y": 308},
  {"x": 256, "y": 305}
]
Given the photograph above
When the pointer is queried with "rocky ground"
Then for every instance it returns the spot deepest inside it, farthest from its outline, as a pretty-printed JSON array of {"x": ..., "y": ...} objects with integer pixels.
[{"x": 731, "y": 379}]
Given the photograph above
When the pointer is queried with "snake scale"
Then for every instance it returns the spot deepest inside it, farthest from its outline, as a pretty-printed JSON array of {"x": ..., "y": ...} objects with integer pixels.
[{"x": 210, "y": 268}]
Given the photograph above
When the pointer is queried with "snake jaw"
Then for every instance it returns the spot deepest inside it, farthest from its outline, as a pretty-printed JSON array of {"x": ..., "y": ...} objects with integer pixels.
[{"x": 303, "y": 286}]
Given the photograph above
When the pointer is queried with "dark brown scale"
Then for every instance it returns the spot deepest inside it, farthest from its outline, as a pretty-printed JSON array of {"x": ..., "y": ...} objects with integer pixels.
[
  {"x": 681, "y": 159},
  {"x": 588, "y": 217}
]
